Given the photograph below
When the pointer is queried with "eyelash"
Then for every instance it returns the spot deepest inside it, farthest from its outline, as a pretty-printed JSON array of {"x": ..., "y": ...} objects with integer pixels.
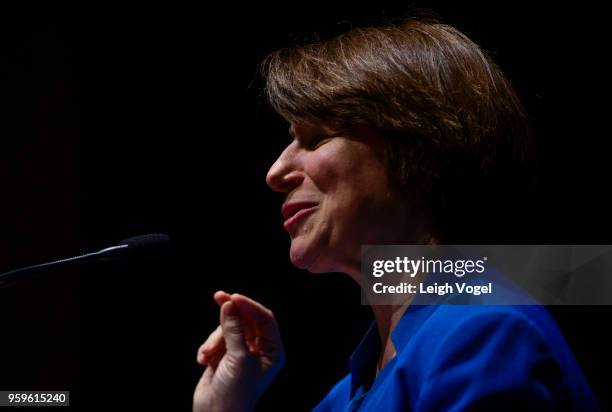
[{"x": 319, "y": 141}]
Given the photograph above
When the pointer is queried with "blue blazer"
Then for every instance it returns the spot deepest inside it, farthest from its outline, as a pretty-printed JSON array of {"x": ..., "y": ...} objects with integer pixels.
[{"x": 466, "y": 358}]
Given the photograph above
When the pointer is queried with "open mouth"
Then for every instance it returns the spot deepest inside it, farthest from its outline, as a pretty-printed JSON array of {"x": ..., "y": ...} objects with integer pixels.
[{"x": 294, "y": 212}]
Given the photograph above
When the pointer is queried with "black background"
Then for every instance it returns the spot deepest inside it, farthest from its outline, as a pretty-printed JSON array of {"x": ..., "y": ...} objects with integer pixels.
[{"x": 120, "y": 119}]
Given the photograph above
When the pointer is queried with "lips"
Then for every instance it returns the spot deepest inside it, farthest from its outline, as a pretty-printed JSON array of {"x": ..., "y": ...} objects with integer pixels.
[{"x": 293, "y": 212}]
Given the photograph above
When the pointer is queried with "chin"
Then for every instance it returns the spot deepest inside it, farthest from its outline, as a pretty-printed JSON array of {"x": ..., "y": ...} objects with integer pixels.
[
  {"x": 305, "y": 256},
  {"x": 300, "y": 257}
]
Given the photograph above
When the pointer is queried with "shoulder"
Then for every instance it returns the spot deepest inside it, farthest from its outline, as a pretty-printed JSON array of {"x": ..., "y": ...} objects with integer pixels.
[
  {"x": 480, "y": 334},
  {"x": 480, "y": 356},
  {"x": 533, "y": 321}
]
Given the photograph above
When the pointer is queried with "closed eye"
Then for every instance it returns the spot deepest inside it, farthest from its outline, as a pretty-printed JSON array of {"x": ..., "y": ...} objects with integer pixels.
[
  {"x": 311, "y": 140},
  {"x": 320, "y": 140}
]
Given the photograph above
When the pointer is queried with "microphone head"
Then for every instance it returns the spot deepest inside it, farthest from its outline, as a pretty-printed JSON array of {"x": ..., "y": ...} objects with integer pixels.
[
  {"x": 153, "y": 240},
  {"x": 151, "y": 246}
]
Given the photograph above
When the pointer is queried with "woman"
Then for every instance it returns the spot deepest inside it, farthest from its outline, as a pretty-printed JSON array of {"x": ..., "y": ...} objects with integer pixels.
[{"x": 404, "y": 134}]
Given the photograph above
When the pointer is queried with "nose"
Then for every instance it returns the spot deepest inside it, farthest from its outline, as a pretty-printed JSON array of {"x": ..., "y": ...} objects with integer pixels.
[{"x": 285, "y": 175}]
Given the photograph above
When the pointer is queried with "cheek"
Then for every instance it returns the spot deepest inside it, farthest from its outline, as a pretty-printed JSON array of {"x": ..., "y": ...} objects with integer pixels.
[
  {"x": 326, "y": 171},
  {"x": 351, "y": 179},
  {"x": 331, "y": 170}
]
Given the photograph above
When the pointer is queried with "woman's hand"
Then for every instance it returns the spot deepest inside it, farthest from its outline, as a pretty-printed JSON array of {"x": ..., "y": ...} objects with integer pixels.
[{"x": 243, "y": 355}]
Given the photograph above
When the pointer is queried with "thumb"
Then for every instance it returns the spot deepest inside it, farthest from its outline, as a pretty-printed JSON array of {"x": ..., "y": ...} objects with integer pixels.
[{"x": 233, "y": 329}]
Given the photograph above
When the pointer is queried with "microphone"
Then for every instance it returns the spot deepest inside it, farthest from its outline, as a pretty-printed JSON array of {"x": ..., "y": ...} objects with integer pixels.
[{"x": 138, "y": 246}]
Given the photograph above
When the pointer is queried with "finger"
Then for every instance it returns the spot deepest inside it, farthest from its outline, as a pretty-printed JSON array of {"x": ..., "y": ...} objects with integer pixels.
[
  {"x": 214, "y": 359},
  {"x": 221, "y": 297},
  {"x": 250, "y": 334},
  {"x": 214, "y": 343},
  {"x": 233, "y": 329},
  {"x": 249, "y": 329},
  {"x": 262, "y": 317}
]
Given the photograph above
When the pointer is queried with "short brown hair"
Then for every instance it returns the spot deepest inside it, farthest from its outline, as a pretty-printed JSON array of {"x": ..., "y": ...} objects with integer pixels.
[{"x": 451, "y": 119}]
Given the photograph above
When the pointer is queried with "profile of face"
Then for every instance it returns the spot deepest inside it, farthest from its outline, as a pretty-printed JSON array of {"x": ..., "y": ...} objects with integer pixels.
[{"x": 338, "y": 197}]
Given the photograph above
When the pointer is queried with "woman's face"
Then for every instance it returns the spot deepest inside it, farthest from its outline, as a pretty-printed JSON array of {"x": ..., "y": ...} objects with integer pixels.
[{"x": 337, "y": 197}]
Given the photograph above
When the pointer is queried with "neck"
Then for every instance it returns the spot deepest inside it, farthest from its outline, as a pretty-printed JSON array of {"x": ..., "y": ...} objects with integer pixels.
[{"x": 387, "y": 318}]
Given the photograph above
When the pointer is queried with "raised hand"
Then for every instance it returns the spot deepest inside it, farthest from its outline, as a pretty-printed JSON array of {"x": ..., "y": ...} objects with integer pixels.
[{"x": 242, "y": 356}]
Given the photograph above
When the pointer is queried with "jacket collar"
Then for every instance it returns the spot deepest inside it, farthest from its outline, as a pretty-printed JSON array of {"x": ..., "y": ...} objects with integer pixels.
[{"x": 364, "y": 359}]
